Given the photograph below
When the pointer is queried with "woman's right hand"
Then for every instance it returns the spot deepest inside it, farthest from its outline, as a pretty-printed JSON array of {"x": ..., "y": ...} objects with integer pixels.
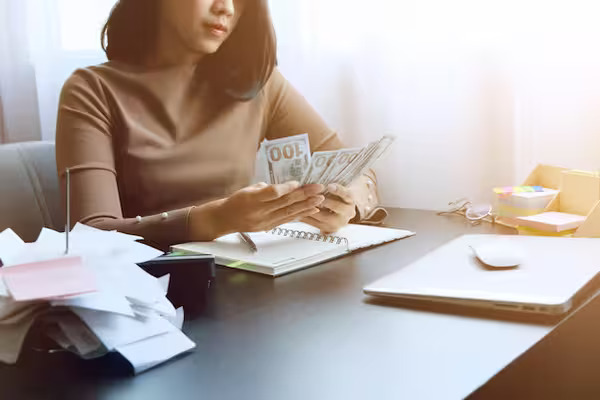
[{"x": 259, "y": 207}]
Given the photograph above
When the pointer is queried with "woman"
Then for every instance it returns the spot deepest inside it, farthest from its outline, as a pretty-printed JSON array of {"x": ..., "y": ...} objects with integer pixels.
[{"x": 161, "y": 140}]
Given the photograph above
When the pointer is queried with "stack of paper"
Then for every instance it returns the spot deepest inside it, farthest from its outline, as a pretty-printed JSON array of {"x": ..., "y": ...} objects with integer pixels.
[
  {"x": 92, "y": 301},
  {"x": 552, "y": 221},
  {"x": 512, "y": 202}
]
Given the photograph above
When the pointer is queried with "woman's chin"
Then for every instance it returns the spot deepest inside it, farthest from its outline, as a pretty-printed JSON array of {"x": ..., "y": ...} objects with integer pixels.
[{"x": 208, "y": 46}]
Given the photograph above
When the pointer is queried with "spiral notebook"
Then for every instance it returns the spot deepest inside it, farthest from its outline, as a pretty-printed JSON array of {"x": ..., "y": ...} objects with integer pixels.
[{"x": 291, "y": 247}]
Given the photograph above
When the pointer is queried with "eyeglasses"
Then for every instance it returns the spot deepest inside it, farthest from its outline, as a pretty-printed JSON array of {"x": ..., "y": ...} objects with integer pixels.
[{"x": 475, "y": 213}]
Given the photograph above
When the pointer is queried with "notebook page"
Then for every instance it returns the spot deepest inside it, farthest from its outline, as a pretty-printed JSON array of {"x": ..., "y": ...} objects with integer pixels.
[
  {"x": 359, "y": 236},
  {"x": 273, "y": 250}
]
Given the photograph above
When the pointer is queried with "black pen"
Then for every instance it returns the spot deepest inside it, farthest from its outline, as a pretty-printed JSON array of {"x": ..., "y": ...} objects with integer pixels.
[{"x": 248, "y": 240}]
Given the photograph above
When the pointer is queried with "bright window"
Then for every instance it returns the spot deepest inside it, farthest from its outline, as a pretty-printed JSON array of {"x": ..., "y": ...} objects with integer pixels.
[{"x": 81, "y": 23}]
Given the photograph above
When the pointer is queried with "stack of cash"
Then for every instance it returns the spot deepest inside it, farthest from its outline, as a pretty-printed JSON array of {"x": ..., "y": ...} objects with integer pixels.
[{"x": 289, "y": 159}]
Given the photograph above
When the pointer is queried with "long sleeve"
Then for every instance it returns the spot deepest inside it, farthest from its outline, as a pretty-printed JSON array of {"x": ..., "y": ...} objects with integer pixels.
[
  {"x": 289, "y": 113},
  {"x": 84, "y": 144}
]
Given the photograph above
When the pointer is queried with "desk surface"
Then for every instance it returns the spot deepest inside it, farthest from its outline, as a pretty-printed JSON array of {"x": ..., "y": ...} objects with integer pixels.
[{"x": 312, "y": 335}]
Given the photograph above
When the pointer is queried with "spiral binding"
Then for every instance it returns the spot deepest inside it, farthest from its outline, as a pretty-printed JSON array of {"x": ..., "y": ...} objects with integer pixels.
[{"x": 317, "y": 237}]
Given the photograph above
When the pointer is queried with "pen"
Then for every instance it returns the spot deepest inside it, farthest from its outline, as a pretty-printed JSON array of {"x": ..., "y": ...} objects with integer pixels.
[{"x": 248, "y": 240}]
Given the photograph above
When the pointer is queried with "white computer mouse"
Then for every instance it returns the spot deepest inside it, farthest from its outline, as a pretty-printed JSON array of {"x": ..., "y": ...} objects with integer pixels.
[{"x": 499, "y": 254}]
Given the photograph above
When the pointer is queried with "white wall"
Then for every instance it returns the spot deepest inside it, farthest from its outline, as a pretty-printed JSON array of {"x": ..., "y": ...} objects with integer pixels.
[
  {"x": 63, "y": 35},
  {"x": 476, "y": 92}
]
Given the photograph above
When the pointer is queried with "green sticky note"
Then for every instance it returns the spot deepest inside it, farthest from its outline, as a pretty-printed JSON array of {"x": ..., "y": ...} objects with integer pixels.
[
  {"x": 236, "y": 264},
  {"x": 177, "y": 254}
]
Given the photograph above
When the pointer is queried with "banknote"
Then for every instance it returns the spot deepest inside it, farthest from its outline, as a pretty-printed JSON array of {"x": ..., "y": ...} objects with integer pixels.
[
  {"x": 342, "y": 161},
  {"x": 351, "y": 172},
  {"x": 373, "y": 152},
  {"x": 320, "y": 161},
  {"x": 287, "y": 159}
]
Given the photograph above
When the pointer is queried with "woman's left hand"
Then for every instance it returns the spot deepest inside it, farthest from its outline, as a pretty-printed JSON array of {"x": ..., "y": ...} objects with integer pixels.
[{"x": 337, "y": 210}]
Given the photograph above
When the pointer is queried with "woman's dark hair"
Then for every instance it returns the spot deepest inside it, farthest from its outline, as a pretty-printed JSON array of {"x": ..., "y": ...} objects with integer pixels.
[{"x": 241, "y": 66}]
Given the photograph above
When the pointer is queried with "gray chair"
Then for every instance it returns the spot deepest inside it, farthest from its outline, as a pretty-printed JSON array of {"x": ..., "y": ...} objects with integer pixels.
[{"x": 30, "y": 198}]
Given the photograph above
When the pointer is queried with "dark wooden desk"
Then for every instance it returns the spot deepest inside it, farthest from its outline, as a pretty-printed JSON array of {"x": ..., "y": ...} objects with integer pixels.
[{"x": 312, "y": 335}]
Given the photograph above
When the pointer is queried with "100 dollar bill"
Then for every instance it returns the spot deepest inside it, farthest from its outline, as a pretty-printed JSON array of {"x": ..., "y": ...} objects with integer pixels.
[
  {"x": 287, "y": 159},
  {"x": 321, "y": 160}
]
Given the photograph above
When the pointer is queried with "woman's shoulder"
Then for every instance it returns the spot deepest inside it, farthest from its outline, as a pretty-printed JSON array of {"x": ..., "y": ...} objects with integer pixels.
[
  {"x": 275, "y": 83},
  {"x": 109, "y": 79},
  {"x": 275, "y": 88},
  {"x": 82, "y": 82},
  {"x": 88, "y": 78},
  {"x": 86, "y": 90},
  {"x": 98, "y": 72}
]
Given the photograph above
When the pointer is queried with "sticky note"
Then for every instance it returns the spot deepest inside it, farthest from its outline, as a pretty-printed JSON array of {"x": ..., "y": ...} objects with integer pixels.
[
  {"x": 48, "y": 279},
  {"x": 509, "y": 190},
  {"x": 236, "y": 264}
]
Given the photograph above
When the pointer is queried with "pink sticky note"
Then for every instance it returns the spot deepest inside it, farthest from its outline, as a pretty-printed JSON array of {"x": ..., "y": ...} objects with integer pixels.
[{"x": 49, "y": 279}]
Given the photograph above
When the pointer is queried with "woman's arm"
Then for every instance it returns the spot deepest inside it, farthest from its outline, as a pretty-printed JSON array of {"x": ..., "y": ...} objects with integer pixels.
[
  {"x": 84, "y": 144},
  {"x": 289, "y": 113}
]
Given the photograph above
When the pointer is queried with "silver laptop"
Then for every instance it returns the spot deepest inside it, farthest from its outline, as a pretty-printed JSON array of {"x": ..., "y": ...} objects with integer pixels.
[{"x": 553, "y": 271}]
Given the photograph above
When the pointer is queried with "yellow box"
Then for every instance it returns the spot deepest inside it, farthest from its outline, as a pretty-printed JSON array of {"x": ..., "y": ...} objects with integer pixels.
[{"x": 579, "y": 193}]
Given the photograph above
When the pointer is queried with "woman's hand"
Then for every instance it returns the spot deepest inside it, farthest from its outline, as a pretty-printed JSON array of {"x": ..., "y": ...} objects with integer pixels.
[
  {"x": 337, "y": 210},
  {"x": 256, "y": 208}
]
